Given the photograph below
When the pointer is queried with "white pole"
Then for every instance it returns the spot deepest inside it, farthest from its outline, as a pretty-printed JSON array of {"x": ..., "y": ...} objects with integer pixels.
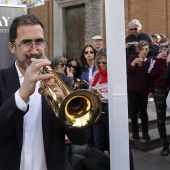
[{"x": 118, "y": 112}]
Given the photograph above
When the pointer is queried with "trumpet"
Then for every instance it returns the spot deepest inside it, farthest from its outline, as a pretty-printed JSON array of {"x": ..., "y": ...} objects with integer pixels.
[{"x": 79, "y": 110}]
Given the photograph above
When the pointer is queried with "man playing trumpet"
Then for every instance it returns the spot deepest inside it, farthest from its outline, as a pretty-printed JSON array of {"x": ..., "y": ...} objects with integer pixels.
[{"x": 31, "y": 137}]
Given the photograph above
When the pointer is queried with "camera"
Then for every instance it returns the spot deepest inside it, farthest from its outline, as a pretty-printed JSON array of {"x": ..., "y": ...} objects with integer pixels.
[{"x": 130, "y": 43}]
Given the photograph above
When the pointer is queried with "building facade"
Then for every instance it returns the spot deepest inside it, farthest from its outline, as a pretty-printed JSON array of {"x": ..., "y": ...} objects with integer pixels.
[{"x": 70, "y": 24}]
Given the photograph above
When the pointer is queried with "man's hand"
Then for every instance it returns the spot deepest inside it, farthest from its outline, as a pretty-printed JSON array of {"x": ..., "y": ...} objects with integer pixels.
[
  {"x": 52, "y": 90},
  {"x": 32, "y": 75}
]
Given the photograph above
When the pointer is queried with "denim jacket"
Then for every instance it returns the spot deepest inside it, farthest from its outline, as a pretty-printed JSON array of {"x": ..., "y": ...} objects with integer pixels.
[{"x": 85, "y": 74}]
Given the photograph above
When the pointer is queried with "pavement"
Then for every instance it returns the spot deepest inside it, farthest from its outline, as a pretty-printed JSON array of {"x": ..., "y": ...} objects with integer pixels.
[{"x": 150, "y": 160}]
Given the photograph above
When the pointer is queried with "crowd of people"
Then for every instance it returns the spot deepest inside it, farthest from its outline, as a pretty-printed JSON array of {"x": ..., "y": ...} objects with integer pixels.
[
  {"x": 33, "y": 138},
  {"x": 147, "y": 60}
]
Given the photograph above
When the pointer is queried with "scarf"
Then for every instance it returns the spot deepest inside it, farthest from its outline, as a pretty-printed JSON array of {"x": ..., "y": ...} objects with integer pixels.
[{"x": 103, "y": 74}]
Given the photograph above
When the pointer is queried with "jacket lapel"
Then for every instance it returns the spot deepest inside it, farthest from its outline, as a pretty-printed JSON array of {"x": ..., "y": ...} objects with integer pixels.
[
  {"x": 12, "y": 83},
  {"x": 46, "y": 123}
]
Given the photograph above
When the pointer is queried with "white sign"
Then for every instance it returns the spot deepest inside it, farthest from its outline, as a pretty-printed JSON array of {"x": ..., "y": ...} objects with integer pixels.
[{"x": 28, "y": 3}]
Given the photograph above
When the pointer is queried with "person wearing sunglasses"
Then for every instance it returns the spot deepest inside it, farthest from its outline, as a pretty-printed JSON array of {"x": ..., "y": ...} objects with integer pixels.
[
  {"x": 157, "y": 70},
  {"x": 74, "y": 70},
  {"x": 87, "y": 59},
  {"x": 59, "y": 64},
  {"x": 99, "y": 85},
  {"x": 135, "y": 36}
]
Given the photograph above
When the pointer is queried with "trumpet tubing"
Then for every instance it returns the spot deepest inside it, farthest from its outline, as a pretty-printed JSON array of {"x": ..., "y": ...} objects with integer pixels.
[{"x": 79, "y": 110}]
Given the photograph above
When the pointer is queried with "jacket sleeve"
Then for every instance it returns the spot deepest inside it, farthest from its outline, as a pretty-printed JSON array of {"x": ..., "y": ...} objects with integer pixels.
[
  {"x": 9, "y": 117},
  {"x": 167, "y": 75},
  {"x": 130, "y": 69}
]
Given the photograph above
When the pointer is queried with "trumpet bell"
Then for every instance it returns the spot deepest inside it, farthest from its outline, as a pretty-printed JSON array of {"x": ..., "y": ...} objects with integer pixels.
[{"x": 80, "y": 110}]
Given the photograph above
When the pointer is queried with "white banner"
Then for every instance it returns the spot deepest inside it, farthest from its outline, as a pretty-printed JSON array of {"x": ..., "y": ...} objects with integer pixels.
[
  {"x": 7, "y": 14},
  {"x": 28, "y": 3}
]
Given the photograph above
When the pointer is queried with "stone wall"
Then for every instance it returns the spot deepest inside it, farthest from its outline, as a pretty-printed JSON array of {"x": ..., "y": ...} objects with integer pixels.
[{"x": 93, "y": 19}]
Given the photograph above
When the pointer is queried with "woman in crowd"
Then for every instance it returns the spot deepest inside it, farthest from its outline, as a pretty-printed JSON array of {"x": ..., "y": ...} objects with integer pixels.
[
  {"x": 87, "y": 59},
  {"x": 99, "y": 85},
  {"x": 138, "y": 82},
  {"x": 74, "y": 70},
  {"x": 59, "y": 66}
]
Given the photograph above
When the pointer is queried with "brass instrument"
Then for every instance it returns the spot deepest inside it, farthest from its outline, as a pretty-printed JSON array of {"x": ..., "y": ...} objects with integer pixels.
[{"x": 79, "y": 110}]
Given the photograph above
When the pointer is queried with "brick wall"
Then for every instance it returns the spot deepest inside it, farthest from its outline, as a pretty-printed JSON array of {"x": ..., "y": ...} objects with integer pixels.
[{"x": 153, "y": 15}]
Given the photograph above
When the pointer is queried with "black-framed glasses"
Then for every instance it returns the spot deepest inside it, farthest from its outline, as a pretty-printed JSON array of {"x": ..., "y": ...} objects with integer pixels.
[
  {"x": 104, "y": 63},
  {"x": 27, "y": 44},
  {"x": 62, "y": 65},
  {"x": 91, "y": 52},
  {"x": 163, "y": 46},
  {"x": 133, "y": 29},
  {"x": 69, "y": 65}
]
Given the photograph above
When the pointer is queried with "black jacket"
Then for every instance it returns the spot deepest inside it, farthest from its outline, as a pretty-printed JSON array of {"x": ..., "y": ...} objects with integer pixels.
[
  {"x": 11, "y": 129},
  {"x": 141, "y": 36}
]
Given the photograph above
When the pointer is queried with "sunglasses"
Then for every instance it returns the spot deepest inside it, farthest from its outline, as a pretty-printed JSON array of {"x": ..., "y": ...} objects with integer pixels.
[
  {"x": 70, "y": 65},
  {"x": 62, "y": 65},
  {"x": 163, "y": 46},
  {"x": 104, "y": 63},
  {"x": 86, "y": 52},
  {"x": 133, "y": 29}
]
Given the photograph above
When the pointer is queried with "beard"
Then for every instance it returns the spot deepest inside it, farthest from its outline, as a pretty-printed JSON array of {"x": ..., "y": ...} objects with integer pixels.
[{"x": 27, "y": 62}]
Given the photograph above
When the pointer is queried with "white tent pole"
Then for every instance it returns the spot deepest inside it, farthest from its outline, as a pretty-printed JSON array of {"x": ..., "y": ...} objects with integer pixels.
[{"x": 118, "y": 112}]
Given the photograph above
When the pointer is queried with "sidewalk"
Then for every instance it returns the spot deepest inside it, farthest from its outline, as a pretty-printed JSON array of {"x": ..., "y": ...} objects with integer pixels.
[{"x": 150, "y": 160}]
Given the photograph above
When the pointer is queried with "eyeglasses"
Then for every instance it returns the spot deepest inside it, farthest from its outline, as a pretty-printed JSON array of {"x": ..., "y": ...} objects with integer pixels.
[
  {"x": 27, "y": 44},
  {"x": 62, "y": 65},
  {"x": 70, "y": 65},
  {"x": 163, "y": 46},
  {"x": 104, "y": 63},
  {"x": 86, "y": 52},
  {"x": 133, "y": 29}
]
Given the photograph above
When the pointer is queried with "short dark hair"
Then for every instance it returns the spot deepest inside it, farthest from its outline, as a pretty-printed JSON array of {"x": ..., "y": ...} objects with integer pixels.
[
  {"x": 22, "y": 20},
  {"x": 163, "y": 40}
]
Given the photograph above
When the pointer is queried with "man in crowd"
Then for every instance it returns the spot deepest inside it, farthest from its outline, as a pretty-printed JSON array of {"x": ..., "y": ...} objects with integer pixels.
[
  {"x": 157, "y": 70},
  {"x": 97, "y": 42},
  {"x": 155, "y": 39},
  {"x": 31, "y": 136},
  {"x": 133, "y": 39}
]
